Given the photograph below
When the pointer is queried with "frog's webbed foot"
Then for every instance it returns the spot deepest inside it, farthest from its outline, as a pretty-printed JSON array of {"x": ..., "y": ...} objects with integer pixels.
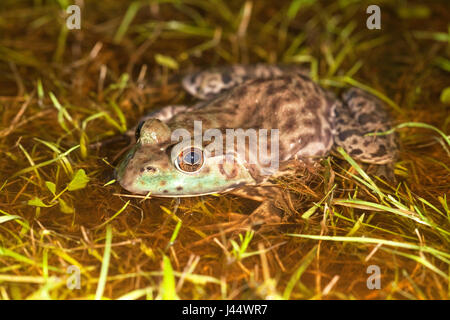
[
  {"x": 362, "y": 114},
  {"x": 267, "y": 212},
  {"x": 384, "y": 171}
]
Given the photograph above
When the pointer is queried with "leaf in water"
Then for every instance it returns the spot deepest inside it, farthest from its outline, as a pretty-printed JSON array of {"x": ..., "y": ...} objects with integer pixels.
[
  {"x": 436, "y": 36},
  {"x": 414, "y": 12},
  {"x": 445, "y": 95},
  {"x": 442, "y": 63},
  {"x": 308, "y": 213},
  {"x": 304, "y": 264},
  {"x": 62, "y": 112},
  {"x": 38, "y": 203},
  {"x": 51, "y": 186},
  {"x": 166, "y": 61},
  {"x": 168, "y": 289},
  {"x": 201, "y": 279},
  {"x": 126, "y": 21},
  {"x": 3, "y": 185},
  {"x": 119, "y": 113},
  {"x": 109, "y": 182},
  {"x": 79, "y": 181},
  {"x": 83, "y": 145},
  {"x": 40, "y": 89},
  {"x": 105, "y": 264},
  {"x": 121, "y": 83},
  {"x": 65, "y": 208},
  {"x": 296, "y": 5},
  {"x": 8, "y": 218}
]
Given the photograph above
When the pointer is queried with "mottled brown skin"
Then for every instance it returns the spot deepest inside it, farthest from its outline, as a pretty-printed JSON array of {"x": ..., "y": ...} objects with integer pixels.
[
  {"x": 293, "y": 104},
  {"x": 358, "y": 115},
  {"x": 310, "y": 121},
  {"x": 351, "y": 119}
]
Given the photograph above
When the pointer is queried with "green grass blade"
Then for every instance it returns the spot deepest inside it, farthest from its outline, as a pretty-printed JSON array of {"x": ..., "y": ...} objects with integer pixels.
[{"x": 105, "y": 264}]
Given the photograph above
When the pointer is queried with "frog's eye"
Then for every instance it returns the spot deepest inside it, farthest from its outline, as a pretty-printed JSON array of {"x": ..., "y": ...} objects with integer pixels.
[
  {"x": 189, "y": 160},
  {"x": 137, "y": 134}
]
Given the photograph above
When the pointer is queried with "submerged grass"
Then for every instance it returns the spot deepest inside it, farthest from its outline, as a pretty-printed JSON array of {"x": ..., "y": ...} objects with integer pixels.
[{"x": 60, "y": 209}]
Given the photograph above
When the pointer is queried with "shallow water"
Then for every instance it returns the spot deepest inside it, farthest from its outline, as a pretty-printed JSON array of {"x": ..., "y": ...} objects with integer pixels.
[{"x": 104, "y": 76}]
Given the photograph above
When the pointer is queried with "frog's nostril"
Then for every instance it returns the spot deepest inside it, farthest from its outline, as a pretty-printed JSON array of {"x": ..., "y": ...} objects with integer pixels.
[{"x": 149, "y": 169}]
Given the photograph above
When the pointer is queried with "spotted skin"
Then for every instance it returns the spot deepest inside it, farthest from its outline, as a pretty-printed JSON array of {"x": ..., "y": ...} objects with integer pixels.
[
  {"x": 310, "y": 120},
  {"x": 358, "y": 115},
  {"x": 207, "y": 84}
]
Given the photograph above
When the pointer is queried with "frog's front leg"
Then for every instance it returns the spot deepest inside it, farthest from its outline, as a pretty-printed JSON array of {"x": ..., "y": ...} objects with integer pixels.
[
  {"x": 266, "y": 212},
  {"x": 360, "y": 114}
]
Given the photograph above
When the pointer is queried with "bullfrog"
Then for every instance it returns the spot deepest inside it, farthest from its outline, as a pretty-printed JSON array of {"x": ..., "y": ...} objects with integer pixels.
[{"x": 308, "y": 121}]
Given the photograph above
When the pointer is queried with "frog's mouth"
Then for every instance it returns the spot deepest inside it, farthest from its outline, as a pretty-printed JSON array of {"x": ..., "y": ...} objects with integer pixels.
[{"x": 192, "y": 195}]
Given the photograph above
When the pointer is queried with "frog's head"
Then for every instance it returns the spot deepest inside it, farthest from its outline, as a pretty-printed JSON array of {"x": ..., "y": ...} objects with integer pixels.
[{"x": 158, "y": 166}]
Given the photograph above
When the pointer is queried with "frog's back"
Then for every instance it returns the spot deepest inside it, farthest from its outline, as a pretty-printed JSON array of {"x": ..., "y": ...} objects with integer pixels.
[{"x": 293, "y": 104}]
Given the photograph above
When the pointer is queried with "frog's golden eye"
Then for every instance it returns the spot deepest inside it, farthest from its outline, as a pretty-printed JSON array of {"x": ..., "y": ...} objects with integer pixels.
[{"x": 189, "y": 160}]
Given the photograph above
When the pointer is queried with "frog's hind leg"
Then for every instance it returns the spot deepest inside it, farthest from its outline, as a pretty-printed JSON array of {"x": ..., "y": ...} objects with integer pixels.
[
  {"x": 208, "y": 84},
  {"x": 360, "y": 114},
  {"x": 165, "y": 113}
]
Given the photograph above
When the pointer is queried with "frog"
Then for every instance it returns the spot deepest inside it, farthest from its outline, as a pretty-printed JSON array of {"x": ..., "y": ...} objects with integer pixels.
[{"x": 310, "y": 120}]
